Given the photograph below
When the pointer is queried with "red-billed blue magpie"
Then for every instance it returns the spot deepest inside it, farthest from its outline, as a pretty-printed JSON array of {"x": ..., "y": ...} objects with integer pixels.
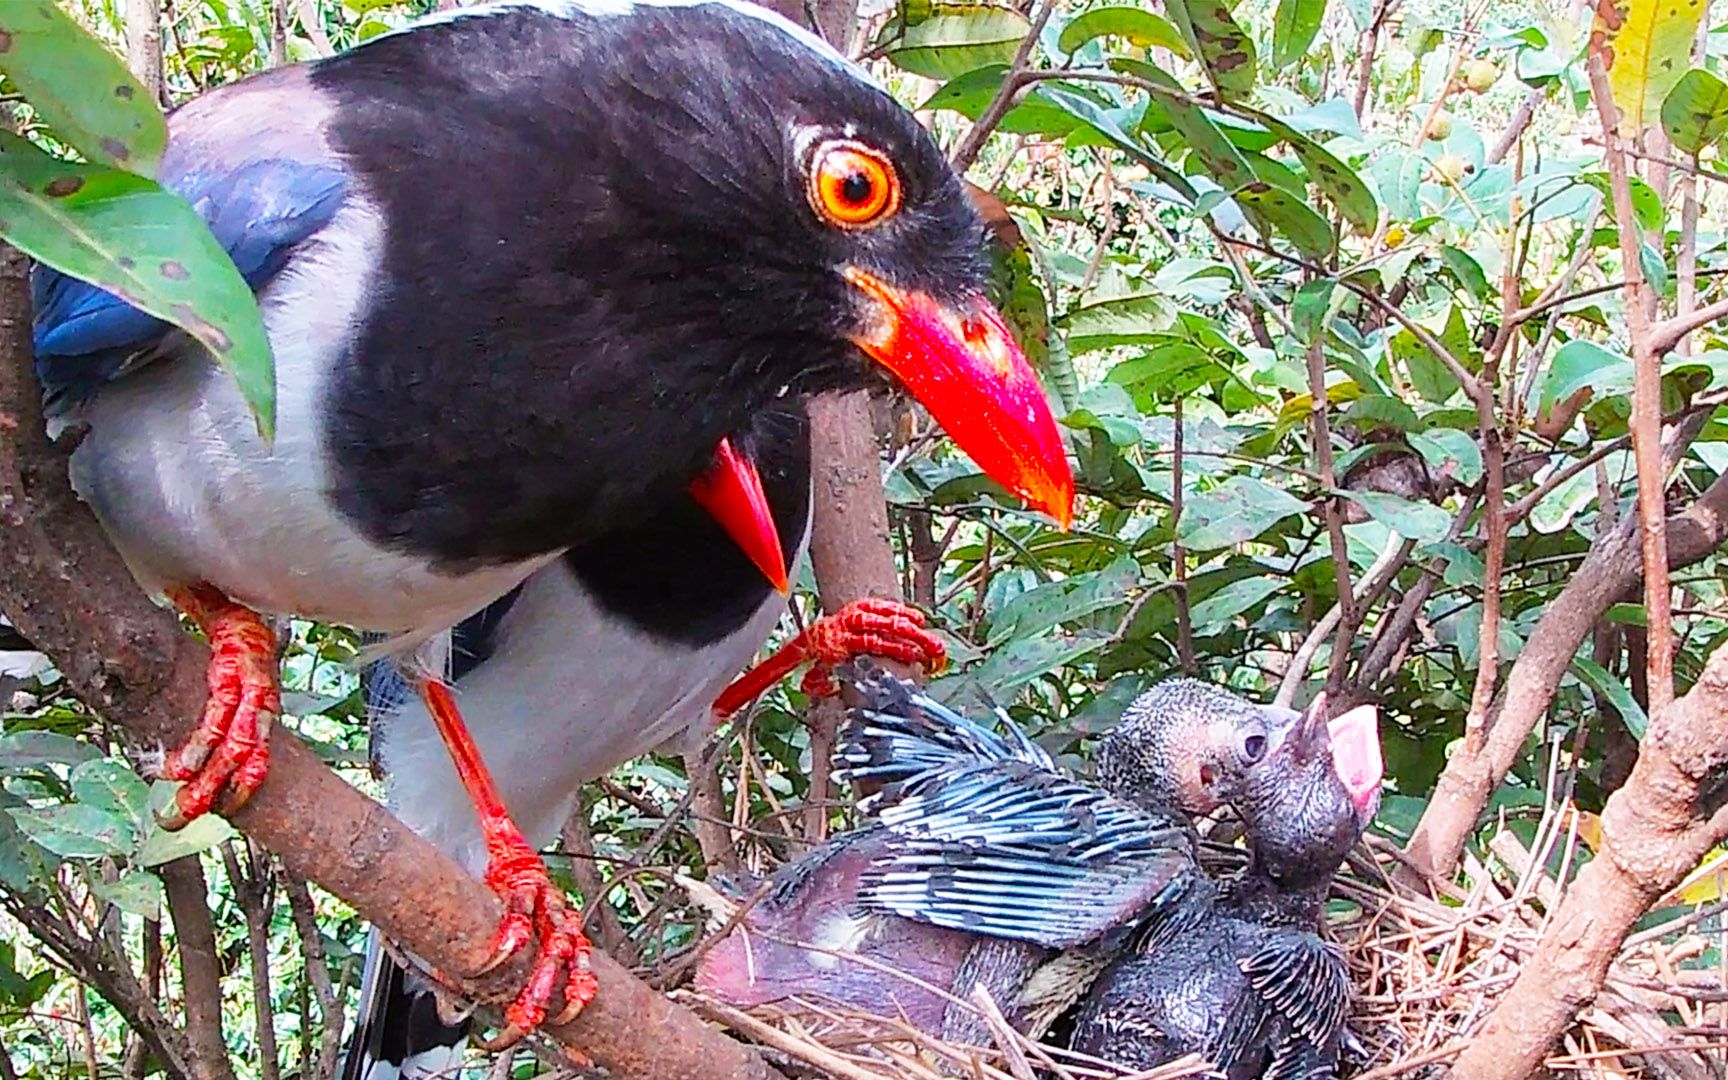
[{"x": 527, "y": 269}]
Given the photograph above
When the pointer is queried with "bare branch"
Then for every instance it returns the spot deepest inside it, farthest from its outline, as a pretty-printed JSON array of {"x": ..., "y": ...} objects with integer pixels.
[
  {"x": 1651, "y": 838},
  {"x": 1012, "y": 82}
]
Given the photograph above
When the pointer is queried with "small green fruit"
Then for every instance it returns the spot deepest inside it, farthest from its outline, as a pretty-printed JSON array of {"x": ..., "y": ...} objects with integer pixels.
[
  {"x": 1450, "y": 167},
  {"x": 1440, "y": 127},
  {"x": 1480, "y": 74}
]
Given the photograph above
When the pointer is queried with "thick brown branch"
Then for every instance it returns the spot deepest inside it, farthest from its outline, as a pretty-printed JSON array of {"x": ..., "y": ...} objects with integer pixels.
[
  {"x": 1612, "y": 568},
  {"x": 1651, "y": 838},
  {"x": 849, "y": 550},
  {"x": 1645, "y": 423},
  {"x": 200, "y": 967}
]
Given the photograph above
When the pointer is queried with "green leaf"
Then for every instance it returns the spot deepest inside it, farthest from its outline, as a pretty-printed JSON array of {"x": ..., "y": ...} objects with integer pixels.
[
  {"x": 1646, "y": 204},
  {"x": 1353, "y": 198},
  {"x": 1033, "y": 114},
  {"x": 136, "y": 892},
  {"x": 1134, "y": 25},
  {"x": 1224, "y": 50},
  {"x": 1599, "y": 679},
  {"x": 27, "y": 750},
  {"x": 1022, "y": 660},
  {"x": 78, "y": 831},
  {"x": 1294, "y": 27},
  {"x": 1428, "y": 375},
  {"x": 1695, "y": 113},
  {"x": 1292, "y": 216},
  {"x": 1371, "y": 411},
  {"x": 958, "y": 38},
  {"x": 1449, "y": 452},
  {"x": 1234, "y": 512},
  {"x": 1650, "y": 49},
  {"x": 123, "y": 233},
  {"x": 1038, "y": 609},
  {"x": 1212, "y": 613},
  {"x": 112, "y": 786},
  {"x": 82, "y": 90},
  {"x": 1123, "y": 320},
  {"x": 1412, "y": 520},
  {"x": 1579, "y": 364},
  {"x": 160, "y": 845}
]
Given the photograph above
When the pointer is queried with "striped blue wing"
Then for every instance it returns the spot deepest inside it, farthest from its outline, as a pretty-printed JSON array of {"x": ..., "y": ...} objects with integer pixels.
[
  {"x": 899, "y": 732},
  {"x": 1012, "y": 850}
]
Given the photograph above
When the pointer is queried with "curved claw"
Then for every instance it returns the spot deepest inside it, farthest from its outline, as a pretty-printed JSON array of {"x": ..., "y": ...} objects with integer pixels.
[
  {"x": 871, "y": 627},
  {"x": 228, "y": 756},
  {"x": 535, "y": 909}
]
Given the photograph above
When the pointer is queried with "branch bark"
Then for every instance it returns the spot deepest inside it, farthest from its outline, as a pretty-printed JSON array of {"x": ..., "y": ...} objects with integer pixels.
[
  {"x": 200, "y": 968},
  {"x": 1652, "y": 836},
  {"x": 849, "y": 551},
  {"x": 67, "y": 590},
  {"x": 1612, "y": 568},
  {"x": 1645, "y": 423}
]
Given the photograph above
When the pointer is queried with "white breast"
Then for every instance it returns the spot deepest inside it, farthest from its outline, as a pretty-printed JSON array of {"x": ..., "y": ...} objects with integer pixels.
[
  {"x": 174, "y": 467},
  {"x": 570, "y": 692}
]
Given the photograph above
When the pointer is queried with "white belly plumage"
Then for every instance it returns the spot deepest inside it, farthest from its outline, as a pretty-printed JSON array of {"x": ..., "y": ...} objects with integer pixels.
[
  {"x": 570, "y": 692},
  {"x": 175, "y": 469}
]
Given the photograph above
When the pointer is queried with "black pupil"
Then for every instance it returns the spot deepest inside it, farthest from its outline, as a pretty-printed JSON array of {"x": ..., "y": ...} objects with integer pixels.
[
  {"x": 1254, "y": 746},
  {"x": 856, "y": 189}
]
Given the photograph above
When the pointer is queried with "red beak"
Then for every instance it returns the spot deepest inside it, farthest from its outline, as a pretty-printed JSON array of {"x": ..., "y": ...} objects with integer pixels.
[
  {"x": 965, "y": 367},
  {"x": 731, "y": 491}
]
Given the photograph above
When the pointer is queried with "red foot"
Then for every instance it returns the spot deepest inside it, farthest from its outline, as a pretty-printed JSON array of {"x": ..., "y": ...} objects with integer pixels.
[
  {"x": 230, "y": 751},
  {"x": 534, "y": 908},
  {"x": 884, "y": 628}
]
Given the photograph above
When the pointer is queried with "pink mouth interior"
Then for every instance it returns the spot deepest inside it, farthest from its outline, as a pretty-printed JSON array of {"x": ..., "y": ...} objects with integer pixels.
[{"x": 1355, "y": 739}]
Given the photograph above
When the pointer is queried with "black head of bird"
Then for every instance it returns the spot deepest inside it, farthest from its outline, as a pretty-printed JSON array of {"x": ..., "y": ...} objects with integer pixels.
[
  {"x": 694, "y": 209},
  {"x": 1192, "y": 744},
  {"x": 1314, "y": 798}
]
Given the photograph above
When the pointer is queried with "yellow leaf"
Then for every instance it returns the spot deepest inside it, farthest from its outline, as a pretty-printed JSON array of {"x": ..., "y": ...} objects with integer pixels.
[
  {"x": 1649, "y": 48},
  {"x": 1707, "y": 883},
  {"x": 1589, "y": 829}
]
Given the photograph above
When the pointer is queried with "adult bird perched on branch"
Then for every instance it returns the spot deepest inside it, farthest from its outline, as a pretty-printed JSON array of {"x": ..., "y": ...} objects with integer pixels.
[
  {"x": 527, "y": 268},
  {"x": 580, "y": 669}
]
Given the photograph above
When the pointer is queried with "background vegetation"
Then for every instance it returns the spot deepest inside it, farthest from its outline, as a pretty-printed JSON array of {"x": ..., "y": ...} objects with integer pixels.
[{"x": 1403, "y": 211}]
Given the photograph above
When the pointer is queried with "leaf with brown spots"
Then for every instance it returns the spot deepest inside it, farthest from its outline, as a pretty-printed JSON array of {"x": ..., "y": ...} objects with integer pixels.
[
  {"x": 1353, "y": 198},
  {"x": 1225, "y": 51},
  {"x": 1651, "y": 47},
  {"x": 125, "y": 234},
  {"x": 83, "y": 91}
]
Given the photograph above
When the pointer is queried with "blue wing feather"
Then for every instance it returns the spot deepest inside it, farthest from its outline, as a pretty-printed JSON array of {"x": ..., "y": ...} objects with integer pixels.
[
  {"x": 989, "y": 836},
  {"x": 85, "y": 336},
  {"x": 900, "y": 732}
]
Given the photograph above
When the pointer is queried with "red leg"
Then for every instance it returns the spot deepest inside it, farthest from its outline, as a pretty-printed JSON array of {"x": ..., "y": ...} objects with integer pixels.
[
  {"x": 870, "y": 627},
  {"x": 230, "y": 751},
  {"x": 534, "y": 908}
]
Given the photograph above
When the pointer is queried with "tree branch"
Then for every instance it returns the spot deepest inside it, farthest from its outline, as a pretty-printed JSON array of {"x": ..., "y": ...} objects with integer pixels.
[
  {"x": 1651, "y": 838},
  {"x": 1013, "y": 81},
  {"x": 1612, "y": 567},
  {"x": 200, "y": 969}
]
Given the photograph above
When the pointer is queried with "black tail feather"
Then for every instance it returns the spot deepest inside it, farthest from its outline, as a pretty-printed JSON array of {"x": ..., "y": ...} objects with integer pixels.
[{"x": 398, "y": 1032}]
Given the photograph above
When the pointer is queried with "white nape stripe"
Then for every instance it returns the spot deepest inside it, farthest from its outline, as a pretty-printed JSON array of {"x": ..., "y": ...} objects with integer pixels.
[{"x": 600, "y": 9}]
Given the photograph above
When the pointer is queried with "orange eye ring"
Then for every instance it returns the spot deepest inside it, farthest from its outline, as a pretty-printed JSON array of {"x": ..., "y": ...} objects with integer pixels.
[{"x": 852, "y": 186}]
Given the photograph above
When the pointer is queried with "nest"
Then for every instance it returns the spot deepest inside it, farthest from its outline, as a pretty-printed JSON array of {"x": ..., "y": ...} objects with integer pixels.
[{"x": 1427, "y": 972}]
